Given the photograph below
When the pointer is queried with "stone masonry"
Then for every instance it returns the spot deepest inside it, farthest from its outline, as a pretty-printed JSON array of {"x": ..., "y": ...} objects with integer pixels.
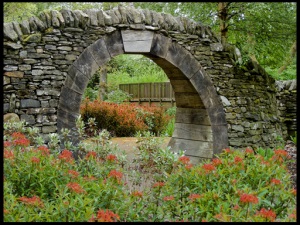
[{"x": 48, "y": 61}]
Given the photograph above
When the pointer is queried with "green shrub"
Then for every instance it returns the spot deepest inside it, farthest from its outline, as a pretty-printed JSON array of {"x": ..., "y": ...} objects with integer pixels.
[{"x": 118, "y": 96}]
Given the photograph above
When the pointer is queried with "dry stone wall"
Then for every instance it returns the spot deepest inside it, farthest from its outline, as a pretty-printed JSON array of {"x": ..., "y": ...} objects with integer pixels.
[{"x": 38, "y": 53}]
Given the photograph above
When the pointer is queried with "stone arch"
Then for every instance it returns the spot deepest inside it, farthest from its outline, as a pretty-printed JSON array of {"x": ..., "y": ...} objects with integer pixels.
[{"x": 200, "y": 124}]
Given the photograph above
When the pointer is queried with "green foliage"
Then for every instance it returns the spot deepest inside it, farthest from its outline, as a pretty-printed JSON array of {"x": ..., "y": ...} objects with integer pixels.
[
  {"x": 118, "y": 96},
  {"x": 294, "y": 138},
  {"x": 124, "y": 69},
  {"x": 90, "y": 93},
  {"x": 288, "y": 74},
  {"x": 236, "y": 186}
]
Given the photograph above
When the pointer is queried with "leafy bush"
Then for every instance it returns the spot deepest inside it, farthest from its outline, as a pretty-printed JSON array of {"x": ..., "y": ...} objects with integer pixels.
[
  {"x": 118, "y": 96},
  {"x": 124, "y": 120},
  {"x": 236, "y": 186}
]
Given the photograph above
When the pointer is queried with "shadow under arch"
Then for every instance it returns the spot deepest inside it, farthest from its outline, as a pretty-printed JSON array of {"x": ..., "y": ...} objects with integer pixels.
[{"x": 200, "y": 124}]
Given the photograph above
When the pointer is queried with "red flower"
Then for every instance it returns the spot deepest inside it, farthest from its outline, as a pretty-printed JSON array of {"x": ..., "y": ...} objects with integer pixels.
[
  {"x": 188, "y": 166},
  {"x": 44, "y": 150},
  {"x": 137, "y": 194},
  {"x": 236, "y": 207},
  {"x": 168, "y": 198},
  {"x": 66, "y": 155},
  {"x": 6, "y": 144},
  {"x": 91, "y": 178},
  {"x": 227, "y": 150},
  {"x": 275, "y": 181},
  {"x": 184, "y": 159},
  {"x": 22, "y": 142},
  {"x": 280, "y": 155},
  {"x": 9, "y": 154},
  {"x": 75, "y": 187},
  {"x": 18, "y": 135},
  {"x": 237, "y": 159},
  {"x": 115, "y": 174},
  {"x": 216, "y": 161},
  {"x": 91, "y": 154},
  {"x": 111, "y": 158},
  {"x": 268, "y": 214},
  {"x": 208, "y": 167},
  {"x": 107, "y": 216},
  {"x": 36, "y": 201},
  {"x": 35, "y": 160},
  {"x": 248, "y": 198},
  {"x": 280, "y": 152},
  {"x": 159, "y": 184},
  {"x": 192, "y": 197},
  {"x": 249, "y": 151},
  {"x": 73, "y": 173}
]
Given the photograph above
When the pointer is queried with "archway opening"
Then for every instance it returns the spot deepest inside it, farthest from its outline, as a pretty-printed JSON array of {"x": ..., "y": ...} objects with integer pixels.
[{"x": 200, "y": 126}]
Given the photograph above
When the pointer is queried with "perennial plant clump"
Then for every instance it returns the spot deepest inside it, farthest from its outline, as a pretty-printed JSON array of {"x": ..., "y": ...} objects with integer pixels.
[{"x": 52, "y": 186}]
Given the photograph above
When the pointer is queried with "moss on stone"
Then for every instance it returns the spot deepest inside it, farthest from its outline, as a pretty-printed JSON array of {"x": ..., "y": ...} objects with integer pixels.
[
  {"x": 32, "y": 38},
  {"x": 49, "y": 30}
]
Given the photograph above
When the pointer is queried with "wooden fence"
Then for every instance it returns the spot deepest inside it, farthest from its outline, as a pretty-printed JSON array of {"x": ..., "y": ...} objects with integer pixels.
[{"x": 158, "y": 93}]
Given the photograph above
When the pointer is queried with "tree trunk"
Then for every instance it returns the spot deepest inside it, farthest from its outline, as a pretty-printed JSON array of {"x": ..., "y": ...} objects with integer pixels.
[
  {"x": 289, "y": 59},
  {"x": 251, "y": 43},
  {"x": 223, "y": 17},
  {"x": 102, "y": 83}
]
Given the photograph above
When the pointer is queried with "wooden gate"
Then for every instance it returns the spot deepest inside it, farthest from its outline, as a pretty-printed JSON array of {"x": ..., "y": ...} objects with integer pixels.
[{"x": 156, "y": 93}]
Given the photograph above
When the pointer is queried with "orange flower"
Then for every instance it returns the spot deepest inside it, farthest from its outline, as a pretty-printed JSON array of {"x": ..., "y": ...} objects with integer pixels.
[
  {"x": 18, "y": 135},
  {"x": 91, "y": 178},
  {"x": 249, "y": 151},
  {"x": 236, "y": 207},
  {"x": 6, "y": 144},
  {"x": 5, "y": 211},
  {"x": 35, "y": 201},
  {"x": 159, "y": 184},
  {"x": 91, "y": 154},
  {"x": 73, "y": 173},
  {"x": 35, "y": 159},
  {"x": 227, "y": 150},
  {"x": 107, "y": 216},
  {"x": 294, "y": 191},
  {"x": 188, "y": 166},
  {"x": 280, "y": 152},
  {"x": 192, "y": 197},
  {"x": 22, "y": 142},
  {"x": 66, "y": 155},
  {"x": 75, "y": 187},
  {"x": 216, "y": 161},
  {"x": 268, "y": 214},
  {"x": 115, "y": 174},
  {"x": 248, "y": 198},
  {"x": 208, "y": 167},
  {"x": 111, "y": 158},
  {"x": 238, "y": 159},
  {"x": 44, "y": 150},
  {"x": 184, "y": 159},
  {"x": 137, "y": 194},
  {"x": 8, "y": 154},
  {"x": 168, "y": 198},
  {"x": 275, "y": 181}
]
